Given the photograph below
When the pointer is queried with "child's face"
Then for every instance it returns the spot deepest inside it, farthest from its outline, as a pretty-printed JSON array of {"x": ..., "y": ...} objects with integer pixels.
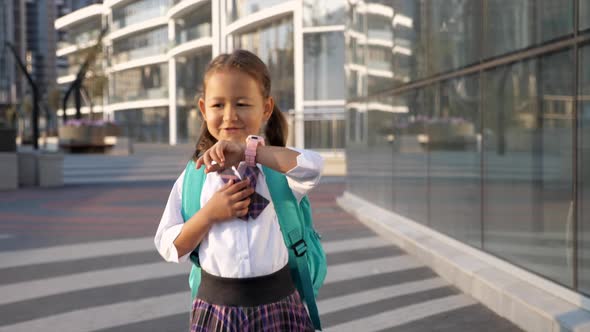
[{"x": 234, "y": 106}]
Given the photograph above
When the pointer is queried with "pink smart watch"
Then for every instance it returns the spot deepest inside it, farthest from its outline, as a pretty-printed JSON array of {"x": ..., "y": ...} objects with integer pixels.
[{"x": 252, "y": 142}]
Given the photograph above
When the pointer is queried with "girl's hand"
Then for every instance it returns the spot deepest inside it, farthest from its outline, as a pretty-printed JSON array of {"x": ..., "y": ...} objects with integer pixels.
[
  {"x": 231, "y": 201},
  {"x": 224, "y": 153}
]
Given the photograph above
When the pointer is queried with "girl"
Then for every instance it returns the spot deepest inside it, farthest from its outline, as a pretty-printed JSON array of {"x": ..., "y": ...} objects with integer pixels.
[{"x": 241, "y": 248}]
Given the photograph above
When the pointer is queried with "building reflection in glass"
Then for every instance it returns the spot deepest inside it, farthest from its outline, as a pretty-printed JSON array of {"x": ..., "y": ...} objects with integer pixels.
[
  {"x": 273, "y": 43},
  {"x": 486, "y": 157}
]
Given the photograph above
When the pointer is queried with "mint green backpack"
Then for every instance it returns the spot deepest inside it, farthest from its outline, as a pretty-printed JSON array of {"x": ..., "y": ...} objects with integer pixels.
[{"x": 307, "y": 260}]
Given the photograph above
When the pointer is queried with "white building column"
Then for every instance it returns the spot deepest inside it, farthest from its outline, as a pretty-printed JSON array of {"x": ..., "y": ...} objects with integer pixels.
[
  {"x": 298, "y": 70},
  {"x": 217, "y": 21},
  {"x": 172, "y": 88}
]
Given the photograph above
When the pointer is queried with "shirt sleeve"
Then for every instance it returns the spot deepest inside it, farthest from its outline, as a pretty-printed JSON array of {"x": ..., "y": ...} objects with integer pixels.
[
  {"x": 171, "y": 224},
  {"x": 306, "y": 175}
]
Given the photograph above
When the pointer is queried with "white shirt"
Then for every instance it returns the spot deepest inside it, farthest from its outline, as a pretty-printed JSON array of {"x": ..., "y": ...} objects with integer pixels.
[{"x": 236, "y": 248}]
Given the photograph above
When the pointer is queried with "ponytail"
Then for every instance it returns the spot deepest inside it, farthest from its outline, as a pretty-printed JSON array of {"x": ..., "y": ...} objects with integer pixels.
[
  {"x": 276, "y": 129},
  {"x": 205, "y": 141}
]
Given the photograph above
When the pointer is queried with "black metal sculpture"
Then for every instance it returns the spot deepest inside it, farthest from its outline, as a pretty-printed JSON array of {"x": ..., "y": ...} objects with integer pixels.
[
  {"x": 35, "y": 91},
  {"x": 76, "y": 86}
]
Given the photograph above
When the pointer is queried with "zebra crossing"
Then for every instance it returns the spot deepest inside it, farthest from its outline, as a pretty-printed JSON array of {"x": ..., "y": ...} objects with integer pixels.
[
  {"x": 117, "y": 313},
  {"x": 106, "y": 282}
]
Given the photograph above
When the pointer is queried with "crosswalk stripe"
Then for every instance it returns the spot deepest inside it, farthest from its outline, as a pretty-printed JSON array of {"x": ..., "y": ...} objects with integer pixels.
[
  {"x": 397, "y": 317},
  {"x": 75, "y": 251},
  {"x": 331, "y": 247},
  {"x": 51, "y": 286},
  {"x": 158, "y": 307},
  {"x": 108, "y": 316},
  {"x": 368, "y": 267},
  {"x": 74, "y": 282},
  {"x": 115, "y": 247},
  {"x": 352, "y": 300}
]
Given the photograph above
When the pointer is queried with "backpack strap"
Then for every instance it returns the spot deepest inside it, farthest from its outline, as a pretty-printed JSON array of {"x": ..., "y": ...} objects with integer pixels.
[
  {"x": 286, "y": 205},
  {"x": 193, "y": 184}
]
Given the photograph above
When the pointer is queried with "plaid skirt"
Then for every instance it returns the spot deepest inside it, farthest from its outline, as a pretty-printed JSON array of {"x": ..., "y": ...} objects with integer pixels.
[{"x": 288, "y": 314}]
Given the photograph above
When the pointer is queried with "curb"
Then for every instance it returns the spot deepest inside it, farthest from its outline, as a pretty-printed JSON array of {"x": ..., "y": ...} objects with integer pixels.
[{"x": 529, "y": 301}]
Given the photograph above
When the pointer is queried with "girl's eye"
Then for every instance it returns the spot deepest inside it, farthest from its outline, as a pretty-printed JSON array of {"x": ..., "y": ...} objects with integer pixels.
[
  {"x": 216, "y": 105},
  {"x": 243, "y": 105}
]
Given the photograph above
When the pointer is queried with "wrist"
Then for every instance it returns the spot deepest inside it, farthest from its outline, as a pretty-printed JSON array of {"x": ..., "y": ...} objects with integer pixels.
[{"x": 210, "y": 217}]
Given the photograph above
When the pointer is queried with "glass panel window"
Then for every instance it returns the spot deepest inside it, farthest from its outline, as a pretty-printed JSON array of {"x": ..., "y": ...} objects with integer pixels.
[
  {"x": 584, "y": 170},
  {"x": 195, "y": 25},
  {"x": 455, "y": 34},
  {"x": 273, "y": 43},
  {"x": 584, "y": 14},
  {"x": 324, "y": 65},
  {"x": 528, "y": 164},
  {"x": 144, "y": 125},
  {"x": 190, "y": 70},
  {"x": 409, "y": 46},
  {"x": 376, "y": 162},
  {"x": 237, "y": 9},
  {"x": 410, "y": 112},
  {"x": 514, "y": 25},
  {"x": 452, "y": 136},
  {"x": 321, "y": 12},
  {"x": 152, "y": 42},
  {"x": 148, "y": 82},
  {"x": 138, "y": 11},
  {"x": 324, "y": 128},
  {"x": 81, "y": 34}
]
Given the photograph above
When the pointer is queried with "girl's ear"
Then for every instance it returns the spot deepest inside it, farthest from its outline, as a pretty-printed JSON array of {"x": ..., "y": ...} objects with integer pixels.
[
  {"x": 269, "y": 106},
  {"x": 202, "y": 108}
]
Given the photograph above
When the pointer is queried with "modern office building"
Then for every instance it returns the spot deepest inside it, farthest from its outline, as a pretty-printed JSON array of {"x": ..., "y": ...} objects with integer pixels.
[
  {"x": 25, "y": 24},
  {"x": 155, "y": 53},
  {"x": 472, "y": 118}
]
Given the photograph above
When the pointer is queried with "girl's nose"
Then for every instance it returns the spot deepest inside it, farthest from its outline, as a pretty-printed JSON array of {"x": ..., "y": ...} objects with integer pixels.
[{"x": 229, "y": 113}]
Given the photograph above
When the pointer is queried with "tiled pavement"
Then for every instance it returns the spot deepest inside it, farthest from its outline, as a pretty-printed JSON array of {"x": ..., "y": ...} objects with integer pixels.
[{"x": 81, "y": 258}]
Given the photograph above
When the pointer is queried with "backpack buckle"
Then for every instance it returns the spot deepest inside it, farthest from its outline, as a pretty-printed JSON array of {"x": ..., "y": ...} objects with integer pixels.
[{"x": 299, "y": 247}]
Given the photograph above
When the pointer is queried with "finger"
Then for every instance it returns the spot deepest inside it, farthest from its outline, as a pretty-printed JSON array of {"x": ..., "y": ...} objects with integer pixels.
[
  {"x": 207, "y": 159},
  {"x": 199, "y": 162},
  {"x": 219, "y": 152},
  {"x": 238, "y": 186},
  {"x": 240, "y": 195},
  {"x": 242, "y": 204},
  {"x": 227, "y": 185},
  {"x": 214, "y": 156},
  {"x": 242, "y": 212}
]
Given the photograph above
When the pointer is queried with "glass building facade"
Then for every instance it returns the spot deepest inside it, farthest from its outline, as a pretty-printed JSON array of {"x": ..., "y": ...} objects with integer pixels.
[
  {"x": 156, "y": 51},
  {"x": 471, "y": 118}
]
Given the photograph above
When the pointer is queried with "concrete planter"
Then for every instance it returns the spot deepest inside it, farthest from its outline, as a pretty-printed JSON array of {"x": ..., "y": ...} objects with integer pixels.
[
  {"x": 9, "y": 174},
  {"x": 50, "y": 169},
  {"x": 27, "y": 166},
  {"x": 112, "y": 130},
  {"x": 82, "y": 135},
  {"x": 40, "y": 169}
]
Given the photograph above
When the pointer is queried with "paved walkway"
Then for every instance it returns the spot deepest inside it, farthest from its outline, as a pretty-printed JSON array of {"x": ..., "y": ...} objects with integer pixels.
[{"x": 81, "y": 258}]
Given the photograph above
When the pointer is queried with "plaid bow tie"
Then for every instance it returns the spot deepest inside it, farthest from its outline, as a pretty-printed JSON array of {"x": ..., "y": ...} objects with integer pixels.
[{"x": 257, "y": 202}]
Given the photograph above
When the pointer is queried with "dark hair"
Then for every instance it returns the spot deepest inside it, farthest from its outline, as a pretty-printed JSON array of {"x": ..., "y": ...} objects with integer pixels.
[{"x": 247, "y": 62}]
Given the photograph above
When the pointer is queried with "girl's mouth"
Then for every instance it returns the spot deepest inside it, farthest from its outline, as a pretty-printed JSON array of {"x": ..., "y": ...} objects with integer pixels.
[{"x": 232, "y": 130}]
